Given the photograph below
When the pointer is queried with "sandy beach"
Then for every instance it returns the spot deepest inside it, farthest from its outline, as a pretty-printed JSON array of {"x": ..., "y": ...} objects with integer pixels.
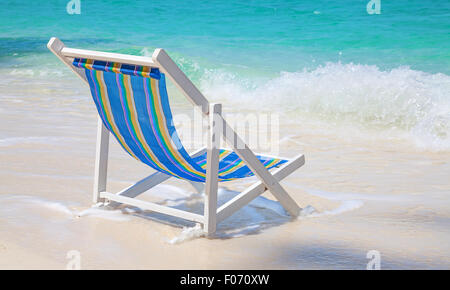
[{"x": 368, "y": 195}]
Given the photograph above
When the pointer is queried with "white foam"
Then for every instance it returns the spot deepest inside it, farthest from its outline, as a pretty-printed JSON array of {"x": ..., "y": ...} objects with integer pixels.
[
  {"x": 343, "y": 196},
  {"x": 20, "y": 201},
  {"x": 242, "y": 231},
  {"x": 43, "y": 72},
  {"x": 96, "y": 212},
  {"x": 347, "y": 205},
  {"x": 348, "y": 201},
  {"x": 29, "y": 203},
  {"x": 187, "y": 234},
  {"x": 400, "y": 102},
  {"x": 307, "y": 211}
]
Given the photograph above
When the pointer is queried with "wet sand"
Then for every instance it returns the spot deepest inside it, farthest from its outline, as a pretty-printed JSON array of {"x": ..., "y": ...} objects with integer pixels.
[{"x": 369, "y": 194}]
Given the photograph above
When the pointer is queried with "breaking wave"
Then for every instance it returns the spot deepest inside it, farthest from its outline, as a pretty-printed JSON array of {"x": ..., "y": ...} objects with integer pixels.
[{"x": 402, "y": 101}]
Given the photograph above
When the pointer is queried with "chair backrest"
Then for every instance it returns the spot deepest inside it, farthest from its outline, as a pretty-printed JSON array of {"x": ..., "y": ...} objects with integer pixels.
[{"x": 133, "y": 103}]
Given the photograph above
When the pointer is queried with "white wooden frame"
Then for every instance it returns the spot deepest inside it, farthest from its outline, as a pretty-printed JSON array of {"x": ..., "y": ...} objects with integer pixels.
[{"x": 218, "y": 129}]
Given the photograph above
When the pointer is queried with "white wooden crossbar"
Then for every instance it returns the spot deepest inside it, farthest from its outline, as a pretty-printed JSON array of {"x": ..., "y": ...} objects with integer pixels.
[
  {"x": 153, "y": 207},
  {"x": 108, "y": 56},
  {"x": 257, "y": 189},
  {"x": 218, "y": 129}
]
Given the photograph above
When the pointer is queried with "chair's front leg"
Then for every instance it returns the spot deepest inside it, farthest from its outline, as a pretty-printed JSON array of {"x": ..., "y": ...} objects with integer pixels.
[
  {"x": 101, "y": 161},
  {"x": 212, "y": 169}
]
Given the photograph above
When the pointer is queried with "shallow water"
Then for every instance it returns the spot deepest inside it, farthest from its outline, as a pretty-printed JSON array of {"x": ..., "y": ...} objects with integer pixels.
[
  {"x": 368, "y": 105},
  {"x": 367, "y": 195}
]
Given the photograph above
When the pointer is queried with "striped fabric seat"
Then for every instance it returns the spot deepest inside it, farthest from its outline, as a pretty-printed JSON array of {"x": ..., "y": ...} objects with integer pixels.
[{"x": 133, "y": 104}]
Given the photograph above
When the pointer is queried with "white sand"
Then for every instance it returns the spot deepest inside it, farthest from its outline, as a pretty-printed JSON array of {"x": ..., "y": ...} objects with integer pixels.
[{"x": 368, "y": 195}]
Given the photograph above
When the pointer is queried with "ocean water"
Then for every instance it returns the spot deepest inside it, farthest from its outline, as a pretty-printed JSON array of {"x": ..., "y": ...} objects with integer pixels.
[{"x": 326, "y": 61}]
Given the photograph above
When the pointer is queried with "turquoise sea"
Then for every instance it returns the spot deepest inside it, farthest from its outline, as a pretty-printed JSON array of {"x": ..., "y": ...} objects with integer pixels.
[{"x": 329, "y": 60}]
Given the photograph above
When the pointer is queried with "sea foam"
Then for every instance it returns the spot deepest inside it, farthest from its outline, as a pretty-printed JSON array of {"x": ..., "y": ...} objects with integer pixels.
[{"x": 402, "y": 102}]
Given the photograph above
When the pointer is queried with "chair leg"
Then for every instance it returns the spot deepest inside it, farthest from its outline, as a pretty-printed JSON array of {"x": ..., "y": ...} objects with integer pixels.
[
  {"x": 101, "y": 161},
  {"x": 255, "y": 190},
  {"x": 247, "y": 155},
  {"x": 212, "y": 170}
]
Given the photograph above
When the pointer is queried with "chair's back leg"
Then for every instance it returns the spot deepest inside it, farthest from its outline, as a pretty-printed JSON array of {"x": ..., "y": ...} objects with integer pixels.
[
  {"x": 101, "y": 161},
  {"x": 212, "y": 169}
]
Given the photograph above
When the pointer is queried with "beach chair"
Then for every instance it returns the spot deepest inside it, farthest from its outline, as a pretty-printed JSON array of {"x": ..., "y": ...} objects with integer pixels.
[{"x": 132, "y": 103}]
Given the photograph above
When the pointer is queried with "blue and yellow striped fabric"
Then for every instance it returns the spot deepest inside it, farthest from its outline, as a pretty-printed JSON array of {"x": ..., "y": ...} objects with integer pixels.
[{"x": 132, "y": 101}]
